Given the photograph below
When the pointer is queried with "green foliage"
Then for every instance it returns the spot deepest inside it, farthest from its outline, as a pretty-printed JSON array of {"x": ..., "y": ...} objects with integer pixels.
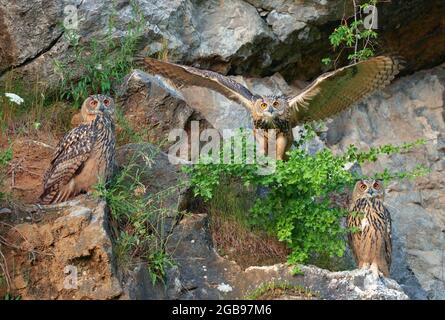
[
  {"x": 5, "y": 158},
  {"x": 138, "y": 221},
  {"x": 9, "y": 296},
  {"x": 127, "y": 133},
  {"x": 353, "y": 37},
  {"x": 99, "y": 63},
  {"x": 298, "y": 207},
  {"x": 40, "y": 109}
]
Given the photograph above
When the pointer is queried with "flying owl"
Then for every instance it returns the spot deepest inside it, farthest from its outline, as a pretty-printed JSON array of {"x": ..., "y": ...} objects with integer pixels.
[
  {"x": 84, "y": 155},
  {"x": 329, "y": 94},
  {"x": 371, "y": 241}
]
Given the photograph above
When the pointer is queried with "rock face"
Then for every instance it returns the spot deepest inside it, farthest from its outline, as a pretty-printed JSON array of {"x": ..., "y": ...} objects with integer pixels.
[
  {"x": 410, "y": 109},
  {"x": 150, "y": 109},
  {"x": 255, "y": 37},
  {"x": 67, "y": 255},
  {"x": 202, "y": 274},
  {"x": 157, "y": 174},
  {"x": 273, "y": 39}
]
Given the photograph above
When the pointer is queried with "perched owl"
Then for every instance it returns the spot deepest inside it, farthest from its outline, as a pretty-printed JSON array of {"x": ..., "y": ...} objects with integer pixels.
[
  {"x": 84, "y": 155},
  {"x": 329, "y": 94},
  {"x": 371, "y": 241}
]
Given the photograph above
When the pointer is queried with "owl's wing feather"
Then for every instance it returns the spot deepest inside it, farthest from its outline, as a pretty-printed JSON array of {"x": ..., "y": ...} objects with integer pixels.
[
  {"x": 388, "y": 239},
  {"x": 70, "y": 155},
  {"x": 181, "y": 75},
  {"x": 335, "y": 91},
  {"x": 353, "y": 221}
]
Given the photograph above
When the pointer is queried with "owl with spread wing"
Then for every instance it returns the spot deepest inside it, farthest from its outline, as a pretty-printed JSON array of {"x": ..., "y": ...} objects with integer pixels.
[{"x": 328, "y": 95}]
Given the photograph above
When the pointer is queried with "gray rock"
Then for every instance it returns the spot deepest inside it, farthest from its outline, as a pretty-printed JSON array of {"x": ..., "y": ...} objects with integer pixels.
[
  {"x": 158, "y": 175},
  {"x": 257, "y": 37},
  {"x": 345, "y": 285}
]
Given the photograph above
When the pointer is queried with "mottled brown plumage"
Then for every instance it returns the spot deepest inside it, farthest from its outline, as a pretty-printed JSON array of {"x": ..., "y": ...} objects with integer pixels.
[
  {"x": 84, "y": 155},
  {"x": 371, "y": 241},
  {"x": 328, "y": 95}
]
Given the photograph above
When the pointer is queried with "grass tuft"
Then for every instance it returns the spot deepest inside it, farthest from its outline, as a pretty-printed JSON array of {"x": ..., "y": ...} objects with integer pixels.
[
  {"x": 275, "y": 290},
  {"x": 232, "y": 232},
  {"x": 137, "y": 223}
]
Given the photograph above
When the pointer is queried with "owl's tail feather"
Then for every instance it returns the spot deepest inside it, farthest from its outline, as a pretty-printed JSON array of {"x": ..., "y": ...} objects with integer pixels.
[
  {"x": 47, "y": 197},
  {"x": 52, "y": 195}
]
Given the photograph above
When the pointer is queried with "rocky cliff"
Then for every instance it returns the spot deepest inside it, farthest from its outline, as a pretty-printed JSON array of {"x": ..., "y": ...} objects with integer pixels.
[{"x": 254, "y": 38}]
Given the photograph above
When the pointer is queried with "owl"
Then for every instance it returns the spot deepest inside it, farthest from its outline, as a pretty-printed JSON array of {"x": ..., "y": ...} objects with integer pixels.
[
  {"x": 85, "y": 155},
  {"x": 371, "y": 240},
  {"x": 329, "y": 94}
]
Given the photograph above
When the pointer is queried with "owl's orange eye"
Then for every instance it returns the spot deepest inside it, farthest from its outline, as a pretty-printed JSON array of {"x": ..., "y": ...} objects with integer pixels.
[
  {"x": 264, "y": 105},
  {"x": 107, "y": 102},
  {"x": 376, "y": 185},
  {"x": 275, "y": 104},
  {"x": 363, "y": 187},
  {"x": 93, "y": 103}
]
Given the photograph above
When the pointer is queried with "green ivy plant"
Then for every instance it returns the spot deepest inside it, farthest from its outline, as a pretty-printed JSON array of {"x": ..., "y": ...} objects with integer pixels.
[{"x": 298, "y": 209}]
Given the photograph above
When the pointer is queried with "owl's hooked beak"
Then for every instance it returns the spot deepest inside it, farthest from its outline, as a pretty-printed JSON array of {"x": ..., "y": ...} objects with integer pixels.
[
  {"x": 101, "y": 109},
  {"x": 270, "y": 112},
  {"x": 371, "y": 193}
]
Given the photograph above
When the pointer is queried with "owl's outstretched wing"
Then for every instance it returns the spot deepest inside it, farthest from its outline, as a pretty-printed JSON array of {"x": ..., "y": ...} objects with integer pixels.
[
  {"x": 179, "y": 75},
  {"x": 335, "y": 91},
  {"x": 68, "y": 159}
]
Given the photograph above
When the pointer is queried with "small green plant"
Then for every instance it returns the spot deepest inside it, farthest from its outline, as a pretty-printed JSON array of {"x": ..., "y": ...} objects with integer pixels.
[
  {"x": 9, "y": 296},
  {"x": 98, "y": 64},
  {"x": 298, "y": 208},
  {"x": 5, "y": 158},
  {"x": 138, "y": 222},
  {"x": 38, "y": 109},
  {"x": 353, "y": 37},
  {"x": 272, "y": 290},
  {"x": 127, "y": 133}
]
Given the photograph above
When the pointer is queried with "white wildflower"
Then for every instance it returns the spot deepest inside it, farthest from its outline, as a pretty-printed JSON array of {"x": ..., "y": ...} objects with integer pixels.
[
  {"x": 37, "y": 125},
  {"x": 224, "y": 287},
  {"x": 14, "y": 98},
  {"x": 348, "y": 166}
]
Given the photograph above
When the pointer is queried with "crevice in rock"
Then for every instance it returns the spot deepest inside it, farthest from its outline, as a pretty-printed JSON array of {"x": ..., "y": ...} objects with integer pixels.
[{"x": 31, "y": 59}]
